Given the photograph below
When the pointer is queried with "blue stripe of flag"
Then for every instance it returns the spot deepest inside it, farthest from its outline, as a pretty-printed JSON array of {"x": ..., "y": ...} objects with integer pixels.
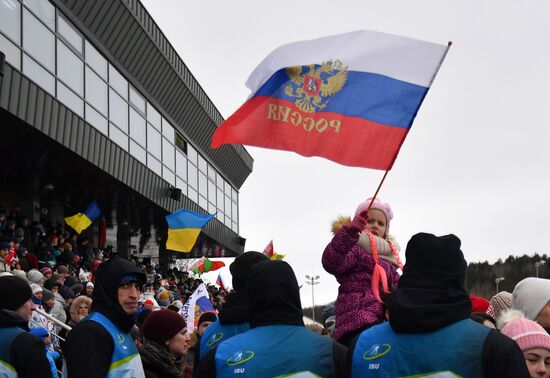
[
  {"x": 374, "y": 97},
  {"x": 92, "y": 212},
  {"x": 187, "y": 219}
]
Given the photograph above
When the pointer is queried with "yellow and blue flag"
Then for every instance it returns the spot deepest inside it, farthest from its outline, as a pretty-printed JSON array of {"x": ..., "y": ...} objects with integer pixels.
[
  {"x": 184, "y": 227},
  {"x": 82, "y": 221}
]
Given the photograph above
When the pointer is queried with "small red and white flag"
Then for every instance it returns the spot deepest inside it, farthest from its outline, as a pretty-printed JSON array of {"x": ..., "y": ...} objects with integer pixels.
[{"x": 268, "y": 250}]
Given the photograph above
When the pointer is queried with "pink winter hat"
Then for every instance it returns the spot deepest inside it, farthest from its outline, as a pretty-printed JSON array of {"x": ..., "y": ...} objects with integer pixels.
[
  {"x": 377, "y": 204},
  {"x": 527, "y": 334}
]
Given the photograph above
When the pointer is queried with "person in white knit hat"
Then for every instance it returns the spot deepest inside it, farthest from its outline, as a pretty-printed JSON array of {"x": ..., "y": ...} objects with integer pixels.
[{"x": 532, "y": 297}]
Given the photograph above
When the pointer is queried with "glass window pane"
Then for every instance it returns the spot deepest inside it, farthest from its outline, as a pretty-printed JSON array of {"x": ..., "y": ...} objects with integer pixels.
[
  {"x": 44, "y": 10},
  {"x": 138, "y": 152},
  {"x": 192, "y": 178},
  {"x": 181, "y": 165},
  {"x": 137, "y": 100},
  {"x": 203, "y": 166},
  {"x": 153, "y": 116},
  {"x": 211, "y": 208},
  {"x": 168, "y": 175},
  {"x": 227, "y": 221},
  {"x": 154, "y": 164},
  {"x": 203, "y": 203},
  {"x": 234, "y": 195},
  {"x": 220, "y": 199},
  {"x": 38, "y": 41},
  {"x": 38, "y": 74},
  {"x": 211, "y": 192},
  {"x": 137, "y": 127},
  {"x": 234, "y": 211},
  {"x": 118, "y": 82},
  {"x": 227, "y": 206},
  {"x": 203, "y": 184},
  {"x": 70, "y": 68},
  {"x": 234, "y": 227},
  {"x": 227, "y": 188},
  {"x": 220, "y": 216},
  {"x": 97, "y": 120},
  {"x": 180, "y": 184},
  {"x": 168, "y": 130},
  {"x": 193, "y": 195},
  {"x": 168, "y": 156},
  {"x": 154, "y": 143},
  {"x": 118, "y": 110},
  {"x": 192, "y": 154},
  {"x": 96, "y": 91},
  {"x": 70, "y": 99},
  {"x": 219, "y": 180},
  {"x": 10, "y": 20},
  {"x": 211, "y": 172},
  {"x": 118, "y": 136},
  {"x": 12, "y": 52},
  {"x": 69, "y": 33},
  {"x": 96, "y": 60}
]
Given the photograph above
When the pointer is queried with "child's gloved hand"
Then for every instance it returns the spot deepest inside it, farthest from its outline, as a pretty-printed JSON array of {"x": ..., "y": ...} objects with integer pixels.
[{"x": 359, "y": 222}]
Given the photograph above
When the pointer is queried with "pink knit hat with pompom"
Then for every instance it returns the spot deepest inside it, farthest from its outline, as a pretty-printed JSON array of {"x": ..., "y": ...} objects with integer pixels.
[
  {"x": 527, "y": 334},
  {"x": 377, "y": 204}
]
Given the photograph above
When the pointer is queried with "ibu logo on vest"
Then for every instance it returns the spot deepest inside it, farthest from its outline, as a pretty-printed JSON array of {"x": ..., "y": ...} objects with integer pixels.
[
  {"x": 214, "y": 339},
  {"x": 376, "y": 351},
  {"x": 240, "y": 357}
]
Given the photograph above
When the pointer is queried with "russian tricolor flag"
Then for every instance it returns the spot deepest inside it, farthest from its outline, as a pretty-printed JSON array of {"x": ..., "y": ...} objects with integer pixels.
[{"x": 350, "y": 98}]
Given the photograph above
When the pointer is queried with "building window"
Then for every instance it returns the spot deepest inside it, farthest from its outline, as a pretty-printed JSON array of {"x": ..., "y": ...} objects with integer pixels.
[
  {"x": 118, "y": 82},
  {"x": 38, "y": 41},
  {"x": 69, "y": 33},
  {"x": 97, "y": 120},
  {"x": 137, "y": 100},
  {"x": 155, "y": 165},
  {"x": 168, "y": 154},
  {"x": 138, "y": 152},
  {"x": 181, "y": 144},
  {"x": 167, "y": 130},
  {"x": 70, "y": 99},
  {"x": 96, "y": 91},
  {"x": 192, "y": 178},
  {"x": 181, "y": 166},
  {"x": 118, "y": 110},
  {"x": 154, "y": 142},
  {"x": 96, "y": 61},
  {"x": 38, "y": 74},
  {"x": 12, "y": 52},
  {"x": 70, "y": 68},
  {"x": 153, "y": 117},
  {"x": 191, "y": 154},
  {"x": 10, "y": 20},
  {"x": 118, "y": 136},
  {"x": 137, "y": 128}
]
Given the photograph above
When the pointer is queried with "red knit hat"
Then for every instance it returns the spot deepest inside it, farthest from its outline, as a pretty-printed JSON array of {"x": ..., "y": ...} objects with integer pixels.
[
  {"x": 160, "y": 326},
  {"x": 480, "y": 304},
  {"x": 527, "y": 334}
]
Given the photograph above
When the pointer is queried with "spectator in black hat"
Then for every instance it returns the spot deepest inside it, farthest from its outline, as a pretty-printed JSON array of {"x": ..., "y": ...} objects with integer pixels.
[
  {"x": 101, "y": 345},
  {"x": 19, "y": 349},
  {"x": 233, "y": 318},
  {"x": 430, "y": 329}
]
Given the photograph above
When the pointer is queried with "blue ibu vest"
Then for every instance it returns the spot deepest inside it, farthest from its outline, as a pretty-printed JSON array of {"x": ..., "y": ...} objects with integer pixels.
[
  {"x": 125, "y": 362},
  {"x": 216, "y": 332},
  {"x": 453, "y": 351},
  {"x": 275, "y": 351},
  {"x": 7, "y": 335}
]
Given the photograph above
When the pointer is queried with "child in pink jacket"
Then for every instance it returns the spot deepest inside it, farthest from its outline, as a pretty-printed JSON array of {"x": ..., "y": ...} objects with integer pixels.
[{"x": 364, "y": 259}]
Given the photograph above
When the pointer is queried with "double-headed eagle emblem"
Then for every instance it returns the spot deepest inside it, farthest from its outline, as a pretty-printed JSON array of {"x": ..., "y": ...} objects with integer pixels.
[{"x": 313, "y": 87}]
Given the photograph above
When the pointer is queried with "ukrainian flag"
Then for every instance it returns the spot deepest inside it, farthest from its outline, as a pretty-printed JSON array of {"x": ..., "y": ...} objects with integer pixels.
[
  {"x": 184, "y": 227},
  {"x": 82, "y": 221}
]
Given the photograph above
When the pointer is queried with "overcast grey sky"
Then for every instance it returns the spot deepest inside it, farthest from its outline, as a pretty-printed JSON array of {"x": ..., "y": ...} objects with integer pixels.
[{"x": 474, "y": 164}]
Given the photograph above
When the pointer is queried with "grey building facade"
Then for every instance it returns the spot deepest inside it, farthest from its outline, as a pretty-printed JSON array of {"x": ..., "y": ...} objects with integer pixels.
[{"x": 95, "y": 104}]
